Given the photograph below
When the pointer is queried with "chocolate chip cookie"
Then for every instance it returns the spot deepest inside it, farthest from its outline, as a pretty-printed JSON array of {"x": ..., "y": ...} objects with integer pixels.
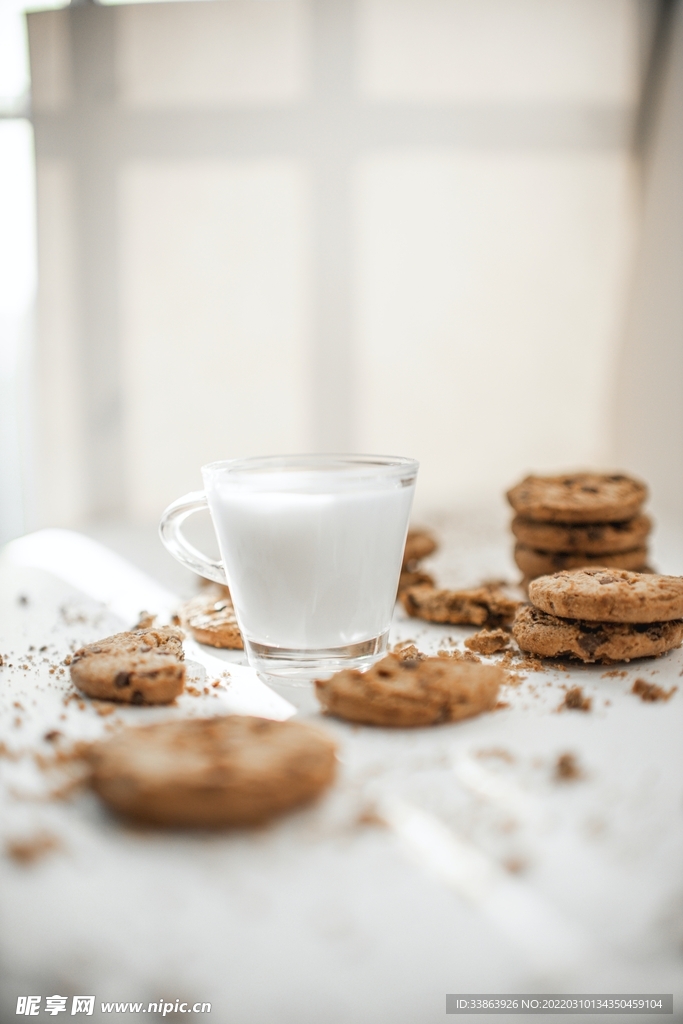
[
  {"x": 477, "y": 606},
  {"x": 543, "y": 563},
  {"x": 210, "y": 618},
  {"x": 609, "y": 595},
  {"x": 141, "y": 667},
  {"x": 412, "y": 692},
  {"x": 585, "y": 538},
  {"x": 208, "y": 772},
  {"x": 578, "y": 498},
  {"x": 551, "y": 637}
]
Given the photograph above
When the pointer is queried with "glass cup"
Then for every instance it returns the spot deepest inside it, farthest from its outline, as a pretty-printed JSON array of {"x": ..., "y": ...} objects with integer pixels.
[{"x": 311, "y": 547}]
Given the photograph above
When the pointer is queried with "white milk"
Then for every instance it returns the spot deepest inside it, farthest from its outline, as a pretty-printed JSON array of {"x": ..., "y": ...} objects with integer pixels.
[{"x": 312, "y": 559}]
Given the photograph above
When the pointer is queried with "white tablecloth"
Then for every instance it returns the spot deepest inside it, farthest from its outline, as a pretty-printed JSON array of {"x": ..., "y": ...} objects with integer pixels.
[{"x": 448, "y": 859}]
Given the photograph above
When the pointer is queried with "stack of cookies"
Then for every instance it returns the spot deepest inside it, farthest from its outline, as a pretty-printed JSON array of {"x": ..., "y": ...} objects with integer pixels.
[
  {"x": 601, "y": 615},
  {"x": 579, "y": 520}
]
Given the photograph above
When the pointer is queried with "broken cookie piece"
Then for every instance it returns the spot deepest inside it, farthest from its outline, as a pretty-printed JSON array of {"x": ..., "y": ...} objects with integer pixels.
[
  {"x": 477, "y": 606},
  {"x": 488, "y": 641},
  {"x": 411, "y": 692}
]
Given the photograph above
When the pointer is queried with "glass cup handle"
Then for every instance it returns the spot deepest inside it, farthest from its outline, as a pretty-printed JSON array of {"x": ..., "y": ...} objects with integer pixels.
[{"x": 181, "y": 549}]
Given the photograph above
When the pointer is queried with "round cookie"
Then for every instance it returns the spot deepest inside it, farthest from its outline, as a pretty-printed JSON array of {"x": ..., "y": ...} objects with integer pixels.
[
  {"x": 551, "y": 637},
  {"x": 586, "y": 538},
  {"x": 141, "y": 667},
  {"x": 204, "y": 772},
  {"x": 610, "y": 595},
  {"x": 578, "y": 498},
  {"x": 411, "y": 692},
  {"x": 543, "y": 563},
  {"x": 210, "y": 618}
]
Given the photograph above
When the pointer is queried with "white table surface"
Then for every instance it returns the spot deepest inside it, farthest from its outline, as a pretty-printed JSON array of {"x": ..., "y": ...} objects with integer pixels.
[{"x": 436, "y": 864}]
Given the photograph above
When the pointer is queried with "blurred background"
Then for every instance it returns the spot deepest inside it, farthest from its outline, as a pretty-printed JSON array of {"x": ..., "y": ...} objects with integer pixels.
[{"x": 448, "y": 229}]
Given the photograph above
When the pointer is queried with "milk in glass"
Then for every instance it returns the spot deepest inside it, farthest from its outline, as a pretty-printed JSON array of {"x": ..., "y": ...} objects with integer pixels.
[{"x": 312, "y": 558}]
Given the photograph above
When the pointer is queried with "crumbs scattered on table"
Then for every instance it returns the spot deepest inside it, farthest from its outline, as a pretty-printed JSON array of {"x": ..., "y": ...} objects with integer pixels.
[
  {"x": 576, "y": 700},
  {"x": 650, "y": 692},
  {"x": 408, "y": 651},
  {"x": 614, "y": 673},
  {"x": 515, "y": 865},
  {"x": 499, "y": 752},
  {"x": 458, "y": 655},
  {"x": 369, "y": 816},
  {"x": 567, "y": 768},
  {"x": 27, "y": 851}
]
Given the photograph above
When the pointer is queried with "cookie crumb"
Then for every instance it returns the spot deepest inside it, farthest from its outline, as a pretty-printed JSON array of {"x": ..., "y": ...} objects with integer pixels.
[
  {"x": 614, "y": 673},
  {"x": 567, "y": 768},
  {"x": 26, "y": 851},
  {"x": 408, "y": 652},
  {"x": 145, "y": 620},
  {"x": 515, "y": 865},
  {"x": 369, "y": 816},
  {"x": 498, "y": 752},
  {"x": 575, "y": 700},
  {"x": 105, "y": 709},
  {"x": 650, "y": 692},
  {"x": 457, "y": 655},
  {"x": 488, "y": 641}
]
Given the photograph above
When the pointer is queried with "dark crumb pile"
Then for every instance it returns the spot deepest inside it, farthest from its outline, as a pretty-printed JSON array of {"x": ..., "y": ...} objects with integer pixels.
[
  {"x": 488, "y": 641},
  {"x": 650, "y": 692},
  {"x": 575, "y": 700},
  {"x": 567, "y": 768}
]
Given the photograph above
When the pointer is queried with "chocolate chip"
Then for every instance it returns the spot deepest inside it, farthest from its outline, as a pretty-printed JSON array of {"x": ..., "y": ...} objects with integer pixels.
[
  {"x": 137, "y": 697},
  {"x": 122, "y": 680},
  {"x": 590, "y": 641}
]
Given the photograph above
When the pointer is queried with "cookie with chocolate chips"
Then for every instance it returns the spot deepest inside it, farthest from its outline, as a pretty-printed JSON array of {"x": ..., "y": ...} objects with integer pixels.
[
  {"x": 141, "y": 667},
  {"x": 411, "y": 692},
  {"x": 609, "y": 595},
  {"x": 543, "y": 563},
  {"x": 578, "y": 498},
  {"x": 212, "y": 772},
  {"x": 210, "y": 618},
  {"x": 552, "y": 637},
  {"x": 584, "y": 538}
]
